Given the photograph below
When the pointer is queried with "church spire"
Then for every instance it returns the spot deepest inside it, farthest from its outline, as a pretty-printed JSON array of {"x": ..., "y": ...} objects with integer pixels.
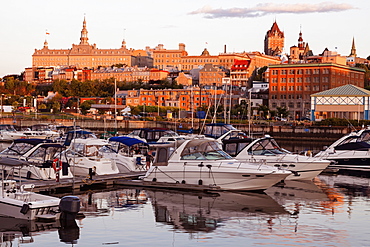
[
  {"x": 353, "y": 49},
  {"x": 84, "y": 38}
]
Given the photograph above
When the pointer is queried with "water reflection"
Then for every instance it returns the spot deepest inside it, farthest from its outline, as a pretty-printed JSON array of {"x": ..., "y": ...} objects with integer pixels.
[
  {"x": 25, "y": 231},
  {"x": 103, "y": 203},
  {"x": 192, "y": 212}
]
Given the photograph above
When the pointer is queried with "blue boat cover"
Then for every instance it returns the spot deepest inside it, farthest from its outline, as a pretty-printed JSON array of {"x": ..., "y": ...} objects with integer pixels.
[
  {"x": 33, "y": 141},
  {"x": 128, "y": 141}
]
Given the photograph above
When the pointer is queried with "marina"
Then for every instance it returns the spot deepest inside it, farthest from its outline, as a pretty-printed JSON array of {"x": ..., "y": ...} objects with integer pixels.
[{"x": 121, "y": 206}]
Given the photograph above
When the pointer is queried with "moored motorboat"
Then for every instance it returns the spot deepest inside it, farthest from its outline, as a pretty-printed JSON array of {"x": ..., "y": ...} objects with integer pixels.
[
  {"x": 303, "y": 167},
  {"x": 84, "y": 158},
  {"x": 42, "y": 158},
  {"x": 203, "y": 162},
  {"x": 350, "y": 152},
  {"x": 123, "y": 151},
  {"x": 9, "y": 133},
  {"x": 41, "y": 131},
  {"x": 17, "y": 202}
]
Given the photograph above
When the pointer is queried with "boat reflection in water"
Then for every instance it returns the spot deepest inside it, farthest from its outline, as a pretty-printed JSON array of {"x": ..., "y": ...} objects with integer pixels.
[
  {"x": 298, "y": 195},
  {"x": 103, "y": 203},
  {"x": 207, "y": 211},
  {"x": 25, "y": 230}
]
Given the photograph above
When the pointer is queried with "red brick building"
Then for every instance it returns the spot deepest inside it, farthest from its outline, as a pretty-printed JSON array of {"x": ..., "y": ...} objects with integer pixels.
[{"x": 290, "y": 85}]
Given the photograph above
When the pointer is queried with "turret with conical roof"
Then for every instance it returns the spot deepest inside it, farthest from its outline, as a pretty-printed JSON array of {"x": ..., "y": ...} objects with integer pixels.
[
  {"x": 274, "y": 40},
  {"x": 84, "y": 38}
]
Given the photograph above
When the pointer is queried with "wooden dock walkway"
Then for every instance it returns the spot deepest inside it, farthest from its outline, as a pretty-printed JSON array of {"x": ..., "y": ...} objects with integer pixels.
[
  {"x": 107, "y": 181},
  {"x": 78, "y": 183}
]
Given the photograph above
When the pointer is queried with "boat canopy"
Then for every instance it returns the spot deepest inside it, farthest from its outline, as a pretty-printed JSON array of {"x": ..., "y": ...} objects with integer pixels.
[
  {"x": 216, "y": 130},
  {"x": 7, "y": 127},
  {"x": 203, "y": 149},
  {"x": 266, "y": 146},
  {"x": 32, "y": 141},
  {"x": 81, "y": 134},
  {"x": 128, "y": 141}
]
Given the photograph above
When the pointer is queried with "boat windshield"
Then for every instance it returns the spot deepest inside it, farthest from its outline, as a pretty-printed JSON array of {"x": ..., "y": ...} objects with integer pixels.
[
  {"x": 365, "y": 136},
  {"x": 203, "y": 150},
  {"x": 266, "y": 146},
  {"x": 45, "y": 153},
  {"x": 7, "y": 127},
  {"x": 217, "y": 130},
  {"x": 18, "y": 148},
  {"x": 87, "y": 150}
]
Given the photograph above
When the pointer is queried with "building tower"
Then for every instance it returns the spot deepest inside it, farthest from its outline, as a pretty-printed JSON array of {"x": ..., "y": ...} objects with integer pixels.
[
  {"x": 274, "y": 41},
  {"x": 353, "y": 49},
  {"x": 84, "y": 38}
]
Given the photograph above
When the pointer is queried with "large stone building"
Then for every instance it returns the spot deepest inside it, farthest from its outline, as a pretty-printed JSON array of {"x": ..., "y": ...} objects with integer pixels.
[
  {"x": 290, "y": 85},
  {"x": 84, "y": 55}
]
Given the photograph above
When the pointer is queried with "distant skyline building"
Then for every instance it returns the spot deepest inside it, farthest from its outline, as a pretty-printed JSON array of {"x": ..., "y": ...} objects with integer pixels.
[
  {"x": 85, "y": 55},
  {"x": 274, "y": 41}
]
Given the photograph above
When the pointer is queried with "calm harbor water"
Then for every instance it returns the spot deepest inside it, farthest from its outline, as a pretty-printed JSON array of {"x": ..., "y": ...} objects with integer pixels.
[{"x": 332, "y": 210}]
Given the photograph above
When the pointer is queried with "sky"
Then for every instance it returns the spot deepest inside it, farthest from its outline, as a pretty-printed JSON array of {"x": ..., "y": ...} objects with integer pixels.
[{"x": 241, "y": 25}]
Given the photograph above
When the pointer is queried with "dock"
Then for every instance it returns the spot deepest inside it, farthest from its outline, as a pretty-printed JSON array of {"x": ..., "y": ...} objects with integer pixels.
[
  {"x": 79, "y": 183},
  {"x": 107, "y": 181}
]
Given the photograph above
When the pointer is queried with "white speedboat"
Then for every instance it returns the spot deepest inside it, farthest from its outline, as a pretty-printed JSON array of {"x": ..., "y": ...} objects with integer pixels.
[
  {"x": 84, "y": 158},
  {"x": 9, "y": 133},
  {"x": 203, "y": 162},
  {"x": 122, "y": 151},
  {"x": 16, "y": 202},
  {"x": 303, "y": 167},
  {"x": 41, "y": 131},
  {"x": 42, "y": 158},
  {"x": 351, "y": 152}
]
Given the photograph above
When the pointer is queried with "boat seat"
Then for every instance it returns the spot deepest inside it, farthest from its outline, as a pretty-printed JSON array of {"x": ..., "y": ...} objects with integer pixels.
[{"x": 139, "y": 164}]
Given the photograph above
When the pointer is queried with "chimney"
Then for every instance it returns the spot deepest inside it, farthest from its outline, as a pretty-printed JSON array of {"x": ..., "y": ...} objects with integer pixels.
[{"x": 224, "y": 48}]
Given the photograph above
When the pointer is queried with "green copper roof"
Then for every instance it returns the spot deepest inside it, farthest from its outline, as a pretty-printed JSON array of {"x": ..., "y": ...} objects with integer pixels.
[{"x": 346, "y": 90}]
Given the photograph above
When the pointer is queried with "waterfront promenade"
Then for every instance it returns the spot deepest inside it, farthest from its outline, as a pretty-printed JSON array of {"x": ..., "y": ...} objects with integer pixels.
[{"x": 279, "y": 130}]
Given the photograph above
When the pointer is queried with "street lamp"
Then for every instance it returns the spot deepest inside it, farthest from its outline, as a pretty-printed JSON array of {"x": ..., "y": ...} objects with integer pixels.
[{"x": 1, "y": 111}]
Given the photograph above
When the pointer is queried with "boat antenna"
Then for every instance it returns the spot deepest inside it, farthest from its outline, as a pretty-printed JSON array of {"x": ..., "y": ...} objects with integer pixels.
[{"x": 350, "y": 124}]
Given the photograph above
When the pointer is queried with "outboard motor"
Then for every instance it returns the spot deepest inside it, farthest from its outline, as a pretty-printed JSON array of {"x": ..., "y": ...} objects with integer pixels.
[{"x": 69, "y": 206}]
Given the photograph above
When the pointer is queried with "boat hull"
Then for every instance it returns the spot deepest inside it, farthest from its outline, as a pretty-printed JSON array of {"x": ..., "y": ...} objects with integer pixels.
[
  {"x": 82, "y": 166},
  {"x": 29, "y": 206},
  {"x": 223, "y": 177},
  {"x": 301, "y": 170},
  {"x": 349, "y": 160}
]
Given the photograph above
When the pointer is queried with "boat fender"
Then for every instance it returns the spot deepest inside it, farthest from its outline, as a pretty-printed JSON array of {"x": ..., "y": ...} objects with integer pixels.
[
  {"x": 28, "y": 176},
  {"x": 59, "y": 162},
  {"x": 183, "y": 182},
  {"x": 154, "y": 179},
  {"x": 295, "y": 173},
  {"x": 25, "y": 208},
  {"x": 200, "y": 182}
]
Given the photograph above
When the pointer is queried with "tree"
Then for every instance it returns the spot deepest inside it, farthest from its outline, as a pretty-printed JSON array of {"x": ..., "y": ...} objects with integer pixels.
[
  {"x": 86, "y": 105},
  {"x": 282, "y": 111}
]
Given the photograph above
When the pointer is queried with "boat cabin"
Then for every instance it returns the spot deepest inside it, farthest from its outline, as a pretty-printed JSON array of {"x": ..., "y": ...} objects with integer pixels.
[
  {"x": 216, "y": 130},
  {"x": 195, "y": 149},
  {"x": 152, "y": 134}
]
